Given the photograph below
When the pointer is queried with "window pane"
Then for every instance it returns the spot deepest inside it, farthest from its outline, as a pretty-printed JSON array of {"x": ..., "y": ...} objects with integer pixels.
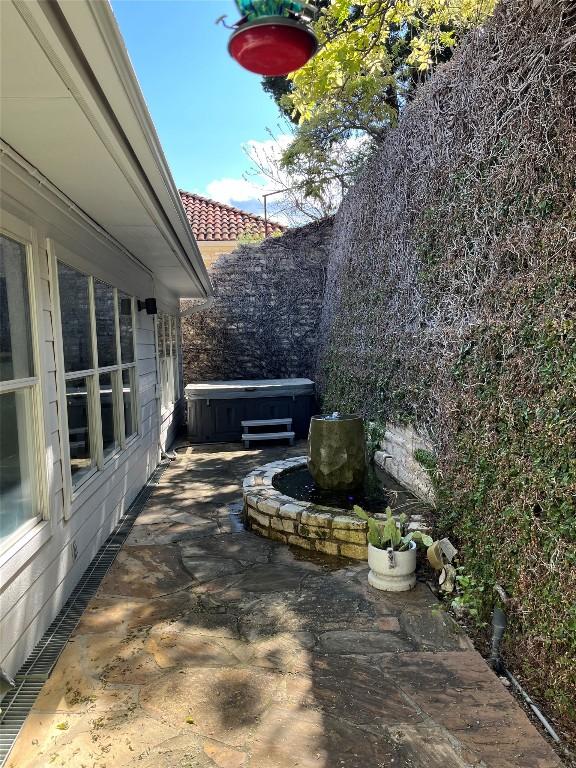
[
  {"x": 126, "y": 330},
  {"x": 109, "y": 442},
  {"x": 173, "y": 335},
  {"x": 167, "y": 335},
  {"x": 128, "y": 400},
  {"x": 77, "y": 404},
  {"x": 17, "y": 504},
  {"x": 176, "y": 379},
  {"x": 105, "y": 324},
  {"x": 74, "y": 311},
  {"x": 15, "y": 332},
  {"x": 161, "y": 335}
]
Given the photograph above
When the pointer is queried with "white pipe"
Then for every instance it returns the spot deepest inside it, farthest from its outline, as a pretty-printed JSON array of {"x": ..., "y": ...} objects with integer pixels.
[{"x": 532, "y": 706}]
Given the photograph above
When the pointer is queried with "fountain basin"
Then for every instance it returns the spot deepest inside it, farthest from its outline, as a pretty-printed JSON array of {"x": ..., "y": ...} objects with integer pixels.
[{"x": 330, "y": 530}]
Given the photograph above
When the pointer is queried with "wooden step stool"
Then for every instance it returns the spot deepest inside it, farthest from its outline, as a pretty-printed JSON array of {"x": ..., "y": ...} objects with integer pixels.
[{"x": 287, "y": 434}]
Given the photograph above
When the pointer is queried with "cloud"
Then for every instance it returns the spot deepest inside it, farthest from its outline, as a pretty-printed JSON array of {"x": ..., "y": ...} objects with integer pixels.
[
  {"x": 254, "y": 183},
  {"x": 234, "y": 190}
]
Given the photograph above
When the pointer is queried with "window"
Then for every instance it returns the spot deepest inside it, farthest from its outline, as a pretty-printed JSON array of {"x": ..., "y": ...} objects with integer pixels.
[
  {"x": 19, "y": 393},
  {"x": 98, "y": 353},
  {"x": 168, "y": 356},
  {"x": 175, "y": 364}
]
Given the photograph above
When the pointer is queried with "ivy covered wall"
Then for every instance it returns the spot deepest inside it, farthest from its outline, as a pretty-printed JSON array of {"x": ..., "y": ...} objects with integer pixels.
[{"x": 450, "y": 304}]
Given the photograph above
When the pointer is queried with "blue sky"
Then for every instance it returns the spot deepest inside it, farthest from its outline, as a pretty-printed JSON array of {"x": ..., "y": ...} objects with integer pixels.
[{"x": 204, "y": 106}]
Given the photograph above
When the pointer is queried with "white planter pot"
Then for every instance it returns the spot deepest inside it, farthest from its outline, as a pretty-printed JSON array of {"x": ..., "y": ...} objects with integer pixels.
[{"x": 392, "y": 571}]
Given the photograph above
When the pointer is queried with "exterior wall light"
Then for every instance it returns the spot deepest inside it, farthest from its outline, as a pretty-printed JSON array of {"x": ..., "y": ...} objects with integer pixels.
[{"x": 149, "y": 305}]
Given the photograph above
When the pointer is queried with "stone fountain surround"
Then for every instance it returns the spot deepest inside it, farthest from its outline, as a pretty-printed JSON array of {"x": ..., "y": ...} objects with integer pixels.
[{"x": 283, "y": 518}]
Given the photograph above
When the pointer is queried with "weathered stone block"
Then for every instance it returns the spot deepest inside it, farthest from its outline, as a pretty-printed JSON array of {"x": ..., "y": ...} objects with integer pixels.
[
  {"x": 354, "y": 551},
  {"x": 261, "y": 531},
  {"x": 313, "y": 532},
  {"x": 268, "y": 506},
  {"x": 263, "y": 520},
  {"x": 252, "y": 501},
  {"x": 327, "y": 547},
  {"x": 276, "y": 536},
  {"x": 298, "y": 541},
  {"x": 317, "y": 519},
  {"x": 291, "y": 511},
  {"x": 278, "y": 524},
  {"x": 281, "y": 499},
  {"x": 348, "y": 523},
  {"x": 353, "y": 537}
]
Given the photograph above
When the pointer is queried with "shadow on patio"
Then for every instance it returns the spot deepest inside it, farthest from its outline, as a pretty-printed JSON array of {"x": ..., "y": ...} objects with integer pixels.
[{"x": 209, "y": 646}]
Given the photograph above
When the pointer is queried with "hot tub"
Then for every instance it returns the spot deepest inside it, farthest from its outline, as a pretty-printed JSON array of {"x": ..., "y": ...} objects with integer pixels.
[{"x": 217, "y": 408}]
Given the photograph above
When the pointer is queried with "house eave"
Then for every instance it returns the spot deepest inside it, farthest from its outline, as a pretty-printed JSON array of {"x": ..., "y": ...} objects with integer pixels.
[{"x": 82, "y": 42}]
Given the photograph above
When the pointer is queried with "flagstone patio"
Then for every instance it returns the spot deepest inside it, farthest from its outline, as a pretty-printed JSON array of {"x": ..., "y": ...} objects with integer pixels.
[{"x": 209, "y": 646}]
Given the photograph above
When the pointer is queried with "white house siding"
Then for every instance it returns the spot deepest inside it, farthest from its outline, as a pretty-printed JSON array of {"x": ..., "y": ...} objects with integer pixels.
[
  {"x": 171, "y": 420},
  {"x": 38, "y": 574}
]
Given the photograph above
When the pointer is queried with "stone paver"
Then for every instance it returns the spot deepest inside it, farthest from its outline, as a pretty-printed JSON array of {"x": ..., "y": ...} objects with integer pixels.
[{"x": 209, "y": 647}]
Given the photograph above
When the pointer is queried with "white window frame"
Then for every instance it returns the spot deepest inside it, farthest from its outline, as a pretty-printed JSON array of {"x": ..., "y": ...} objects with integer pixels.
[
  {"x": 168, "y": 364},
  {"x": 127, "y": 367},
  {"x": 92, "y": 376},
  {"x": 33, "y": 386},
  {"x": 176, "y": 361}
]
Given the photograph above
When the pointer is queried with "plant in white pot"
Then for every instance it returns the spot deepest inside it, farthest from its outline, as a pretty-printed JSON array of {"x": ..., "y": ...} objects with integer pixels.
[{"x": 392, "y": 551}]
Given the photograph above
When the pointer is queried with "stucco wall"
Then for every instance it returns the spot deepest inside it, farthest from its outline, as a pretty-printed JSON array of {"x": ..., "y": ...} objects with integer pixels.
[
  {"x": 211, "y": 250},
  {"x": 264, "y": 322}
]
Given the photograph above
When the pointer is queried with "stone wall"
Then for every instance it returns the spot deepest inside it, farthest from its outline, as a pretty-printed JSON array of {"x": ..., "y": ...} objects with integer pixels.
[
  {"x": 264, "y": 322},
  {"x": 398, "y": 456}
]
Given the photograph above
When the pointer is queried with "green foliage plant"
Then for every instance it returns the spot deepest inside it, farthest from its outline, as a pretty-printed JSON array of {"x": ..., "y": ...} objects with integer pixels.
[
  {"x": 391, "y": 533},
  {"x": 249, "y": 237},
  {"x": 375, "y": 432}
]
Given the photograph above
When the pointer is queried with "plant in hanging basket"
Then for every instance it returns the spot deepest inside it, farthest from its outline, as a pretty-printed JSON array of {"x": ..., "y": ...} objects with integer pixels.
[{"x": 273, "y": 36}]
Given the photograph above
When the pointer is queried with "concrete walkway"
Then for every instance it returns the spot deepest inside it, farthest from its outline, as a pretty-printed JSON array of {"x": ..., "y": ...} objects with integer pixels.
[{"x": 208, "y": 646}]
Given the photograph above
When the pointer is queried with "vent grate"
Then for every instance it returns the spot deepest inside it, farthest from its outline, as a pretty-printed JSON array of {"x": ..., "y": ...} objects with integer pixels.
[{"x": 18, "y": 702}]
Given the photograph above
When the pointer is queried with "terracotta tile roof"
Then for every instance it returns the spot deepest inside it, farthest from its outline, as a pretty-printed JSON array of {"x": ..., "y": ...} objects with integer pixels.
[{"x": 211, "y": 220}]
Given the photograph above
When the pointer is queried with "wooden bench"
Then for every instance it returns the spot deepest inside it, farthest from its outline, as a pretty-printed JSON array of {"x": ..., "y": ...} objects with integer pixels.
[{"x": 286, "y": 434}]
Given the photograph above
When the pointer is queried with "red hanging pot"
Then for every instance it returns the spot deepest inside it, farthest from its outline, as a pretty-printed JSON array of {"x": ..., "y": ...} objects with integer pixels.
[{"x": 273, "y": 45}]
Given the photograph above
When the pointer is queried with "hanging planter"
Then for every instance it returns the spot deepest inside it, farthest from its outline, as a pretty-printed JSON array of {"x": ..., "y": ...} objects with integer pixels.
[{"x": 272, "y": 38}]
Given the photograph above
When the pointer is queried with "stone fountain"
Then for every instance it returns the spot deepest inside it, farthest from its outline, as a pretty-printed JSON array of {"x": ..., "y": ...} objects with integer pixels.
[
  {"x": 307, "y": 501},
  {"x": 337, "y": 451}
]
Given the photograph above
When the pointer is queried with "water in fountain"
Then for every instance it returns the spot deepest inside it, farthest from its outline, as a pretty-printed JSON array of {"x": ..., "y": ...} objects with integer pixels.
[{"x": 376, "y": 492}]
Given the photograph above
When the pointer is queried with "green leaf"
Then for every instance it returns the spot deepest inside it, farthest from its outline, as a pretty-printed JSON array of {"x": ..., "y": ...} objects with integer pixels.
[{"x": 360, "y": 512}]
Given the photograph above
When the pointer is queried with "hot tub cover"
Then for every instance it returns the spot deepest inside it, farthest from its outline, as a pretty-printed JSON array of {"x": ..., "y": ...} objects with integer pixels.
[{"x": 228, "y": 390}]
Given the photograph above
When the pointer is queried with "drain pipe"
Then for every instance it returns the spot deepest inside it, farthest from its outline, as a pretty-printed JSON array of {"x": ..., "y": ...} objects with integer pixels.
[
  {"x": 499, "y": 622},
  {"x": 532, "y": 706}
]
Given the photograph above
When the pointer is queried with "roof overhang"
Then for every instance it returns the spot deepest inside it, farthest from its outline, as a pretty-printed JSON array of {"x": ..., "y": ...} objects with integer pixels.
[{"x": 71, "y": 107}]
